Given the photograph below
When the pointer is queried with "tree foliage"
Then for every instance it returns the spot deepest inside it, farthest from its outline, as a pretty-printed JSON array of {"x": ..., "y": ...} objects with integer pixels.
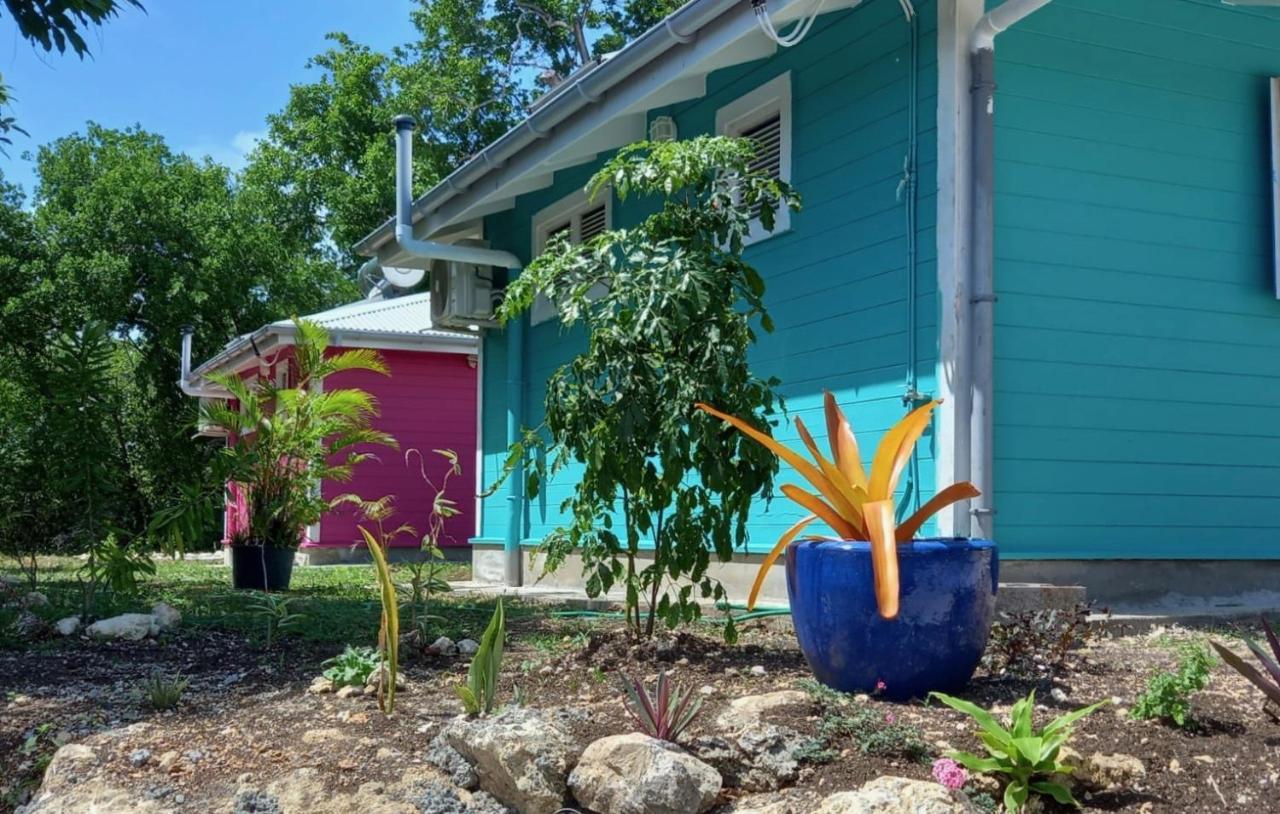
[
  {"x": 668, "y": 310},
  {"x": 126, "y": 241},
  {"x": 326, "y": 165}
]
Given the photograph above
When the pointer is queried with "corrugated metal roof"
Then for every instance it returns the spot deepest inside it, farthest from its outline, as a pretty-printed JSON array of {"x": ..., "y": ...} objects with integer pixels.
[{"x": 410, "y": 316}]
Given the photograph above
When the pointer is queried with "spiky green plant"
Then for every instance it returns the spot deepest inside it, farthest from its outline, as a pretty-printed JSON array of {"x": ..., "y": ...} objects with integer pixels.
[
  {"x": 479, "y": 694},
  {"x": 163, "y": 692}
]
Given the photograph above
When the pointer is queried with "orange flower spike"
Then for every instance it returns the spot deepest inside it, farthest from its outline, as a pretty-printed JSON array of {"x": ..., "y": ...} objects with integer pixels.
[
  {"x": 807, "y": 470},
  {"x": 850, "y": 505},
  {"x": 884, "y": 555},
  {"x": 812, "y": 503},
  {"x": 954, "y": 493},
  {"x": 781, "y": 546},
  {"x": 844, "y": 444}
]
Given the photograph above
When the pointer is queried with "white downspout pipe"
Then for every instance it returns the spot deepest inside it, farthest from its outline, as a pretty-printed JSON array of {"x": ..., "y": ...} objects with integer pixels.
[
  {"x": 432, "y": 250},
  {"x": 980, "y": 347},
  {"x": 184, "y": 378}
]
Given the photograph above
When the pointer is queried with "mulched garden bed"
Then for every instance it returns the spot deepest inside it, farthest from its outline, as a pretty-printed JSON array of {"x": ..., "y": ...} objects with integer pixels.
[{"x": 247, "y": 714}]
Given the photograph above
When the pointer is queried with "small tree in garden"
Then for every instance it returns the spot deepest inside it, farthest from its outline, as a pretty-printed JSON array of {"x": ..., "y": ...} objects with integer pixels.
[
  {"x": 286, "y": 442},
  {"x": 669, "y": 309}
]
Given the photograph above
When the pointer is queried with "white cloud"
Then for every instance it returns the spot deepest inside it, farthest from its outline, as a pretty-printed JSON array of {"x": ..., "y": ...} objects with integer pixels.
[{"x": 233, "y": 153}]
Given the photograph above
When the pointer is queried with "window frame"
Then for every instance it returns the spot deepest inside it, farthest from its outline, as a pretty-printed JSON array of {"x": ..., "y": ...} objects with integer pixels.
[
  {"x": 570, "y": 208},
  {"x": 754, "y": 108}
]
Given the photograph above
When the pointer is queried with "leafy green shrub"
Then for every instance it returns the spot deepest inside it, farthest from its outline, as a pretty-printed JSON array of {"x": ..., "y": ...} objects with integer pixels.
[
  {"x": 667, "y": 713},
  {"x": 670, "y": 310},
  {"x": 1168, "y": 695},
  {"x": 480, "y": 692},
  {"x": 1027, "y": 759},
  {"x": 162, "y": 692},
  {"x": 118, "y": 567},
  {"x": 352, "y": 667},
  {"x": 873, "y": 730}
]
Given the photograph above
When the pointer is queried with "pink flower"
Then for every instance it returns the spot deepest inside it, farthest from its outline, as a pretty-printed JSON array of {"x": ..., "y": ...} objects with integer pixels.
[
  {"x": 881, "y": 686},
  {"x": 889, "y": 718},
  {"x": 949, "y": 773}
]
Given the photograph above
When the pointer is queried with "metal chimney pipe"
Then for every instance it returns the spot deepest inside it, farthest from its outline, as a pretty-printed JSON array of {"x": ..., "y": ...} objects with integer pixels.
[
  {"x": 187, "y": 332},
  {"x": 405, "y": 127}
]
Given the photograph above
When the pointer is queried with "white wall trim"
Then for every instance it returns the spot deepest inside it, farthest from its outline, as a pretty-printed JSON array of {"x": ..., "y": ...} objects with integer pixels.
[
  {"x": 570, "y": 208},
  {"x": 751, "y": 109},
  {"x": 956, "y": 19}
]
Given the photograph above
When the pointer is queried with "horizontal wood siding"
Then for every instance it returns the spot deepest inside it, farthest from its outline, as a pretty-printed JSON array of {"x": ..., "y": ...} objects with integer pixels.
[
  {"x": 1138, "y": 338},
  {"x": 428, "y": 402},
  {"x": 836, "y": 283}
]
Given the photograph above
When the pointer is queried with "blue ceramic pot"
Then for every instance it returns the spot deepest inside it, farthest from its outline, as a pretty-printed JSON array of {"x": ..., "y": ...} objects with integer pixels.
[{"x": 948, "y": 598}]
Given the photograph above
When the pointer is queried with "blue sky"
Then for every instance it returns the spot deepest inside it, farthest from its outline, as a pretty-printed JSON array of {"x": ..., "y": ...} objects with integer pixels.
[{"x": 202, "y": 73}]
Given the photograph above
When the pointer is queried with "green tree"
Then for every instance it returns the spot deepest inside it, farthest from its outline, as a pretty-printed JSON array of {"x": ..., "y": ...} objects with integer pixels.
[
  {"x": 668, "y": 310},
  {"x": 287, "y": 442},
  {"x": 54, "y": 24},
  {"x": 325, "y": 168}
]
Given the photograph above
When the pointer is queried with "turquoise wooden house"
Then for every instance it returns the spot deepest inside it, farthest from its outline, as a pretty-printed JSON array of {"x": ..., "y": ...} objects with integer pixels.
[{"x": 1057, "y": 216}]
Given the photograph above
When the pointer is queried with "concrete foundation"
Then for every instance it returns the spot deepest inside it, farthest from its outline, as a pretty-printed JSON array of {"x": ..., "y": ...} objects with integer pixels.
[
  {"x": 1181, "y": 587},
  {"x": 737, "y": 577}
]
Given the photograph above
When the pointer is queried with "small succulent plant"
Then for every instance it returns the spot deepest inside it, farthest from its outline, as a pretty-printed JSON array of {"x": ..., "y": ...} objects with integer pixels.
[{"x": 664, "y": 715}]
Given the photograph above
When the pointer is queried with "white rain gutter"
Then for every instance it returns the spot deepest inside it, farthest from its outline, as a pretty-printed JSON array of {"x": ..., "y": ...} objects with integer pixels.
[
  {"x": 980, "y": 346},
  {"x": 680, "y": 27},
  {"x": 184, "y": 378}
]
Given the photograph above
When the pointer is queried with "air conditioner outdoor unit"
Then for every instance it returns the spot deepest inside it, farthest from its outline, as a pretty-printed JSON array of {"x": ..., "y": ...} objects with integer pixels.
[{"x": 461, "y": 295}]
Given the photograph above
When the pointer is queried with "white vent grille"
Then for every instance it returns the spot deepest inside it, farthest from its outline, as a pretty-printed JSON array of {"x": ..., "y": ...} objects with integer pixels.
[
  {"x": 768, "y": 138},
  {"x": 594, "y": 222}
]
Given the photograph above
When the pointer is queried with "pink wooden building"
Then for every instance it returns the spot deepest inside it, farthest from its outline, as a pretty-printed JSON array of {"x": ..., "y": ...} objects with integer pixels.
[{"x": 428, "y": 402}]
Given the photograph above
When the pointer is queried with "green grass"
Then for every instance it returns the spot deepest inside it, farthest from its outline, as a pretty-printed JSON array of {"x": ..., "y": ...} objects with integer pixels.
[{"x": 339, "y": 602}]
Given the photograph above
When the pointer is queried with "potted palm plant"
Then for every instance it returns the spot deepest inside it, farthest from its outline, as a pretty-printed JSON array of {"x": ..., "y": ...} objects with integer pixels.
[
  {"x": 285, "y": 442},
  {"x": 875, "y": 608}
]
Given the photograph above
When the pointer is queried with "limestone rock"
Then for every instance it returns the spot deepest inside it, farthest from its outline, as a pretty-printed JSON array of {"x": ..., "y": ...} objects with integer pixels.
[
  {"x": 521, "y": 756},
  {"x": 468, "y": 647},
  {"x": 898, "y": 795},
  {"x": 447, "y": 759},
  {"x": 133, "y": 626},
  {"x": 790, "y": 801},
  {"x": 320, "y": 685},
  {"x": 442, "y": 646},
  {"x": 34, "y": 599},
  {"x": 759, "y": 758},
  {"x": 748, "y": 710},
  {"x": 1110, "y": 771},
  {"x": 348, "y": 691},
  {"x": 637, "y": 774},
  {"x": 67, "y": 626},
  {"x": 71, "y": 787},
  {"x": 167, "y": 616},
  {"x": 381, "y": 673}
]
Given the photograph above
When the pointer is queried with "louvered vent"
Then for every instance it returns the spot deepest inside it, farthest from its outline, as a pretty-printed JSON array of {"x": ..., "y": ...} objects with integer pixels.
[
  {"x": 593, "y": 223},
  {"x": 768, "y": 138},
  {"x": 564, "y": 229}
]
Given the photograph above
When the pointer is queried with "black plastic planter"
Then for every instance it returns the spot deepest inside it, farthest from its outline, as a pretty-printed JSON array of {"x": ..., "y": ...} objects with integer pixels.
[{"x": 261, "y": 568}]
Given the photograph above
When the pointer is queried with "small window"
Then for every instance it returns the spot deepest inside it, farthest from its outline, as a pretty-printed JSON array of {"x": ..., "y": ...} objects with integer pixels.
[
  {"x": 575, "y": 217},
  {"x": 764, "y": 115}
]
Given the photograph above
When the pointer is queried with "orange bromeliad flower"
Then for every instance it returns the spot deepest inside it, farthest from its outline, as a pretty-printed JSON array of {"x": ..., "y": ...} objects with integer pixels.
[{"x": 855, "y": 504}]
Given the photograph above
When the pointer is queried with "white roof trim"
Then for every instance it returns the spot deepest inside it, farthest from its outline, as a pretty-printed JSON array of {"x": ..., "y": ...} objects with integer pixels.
[
  {"x": 667, "y": 64},
  {"x": 402, "y": 323}
]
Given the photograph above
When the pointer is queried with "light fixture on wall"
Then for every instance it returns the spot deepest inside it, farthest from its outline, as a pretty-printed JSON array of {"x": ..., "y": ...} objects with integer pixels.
[{"x": 663, "y": 128}]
